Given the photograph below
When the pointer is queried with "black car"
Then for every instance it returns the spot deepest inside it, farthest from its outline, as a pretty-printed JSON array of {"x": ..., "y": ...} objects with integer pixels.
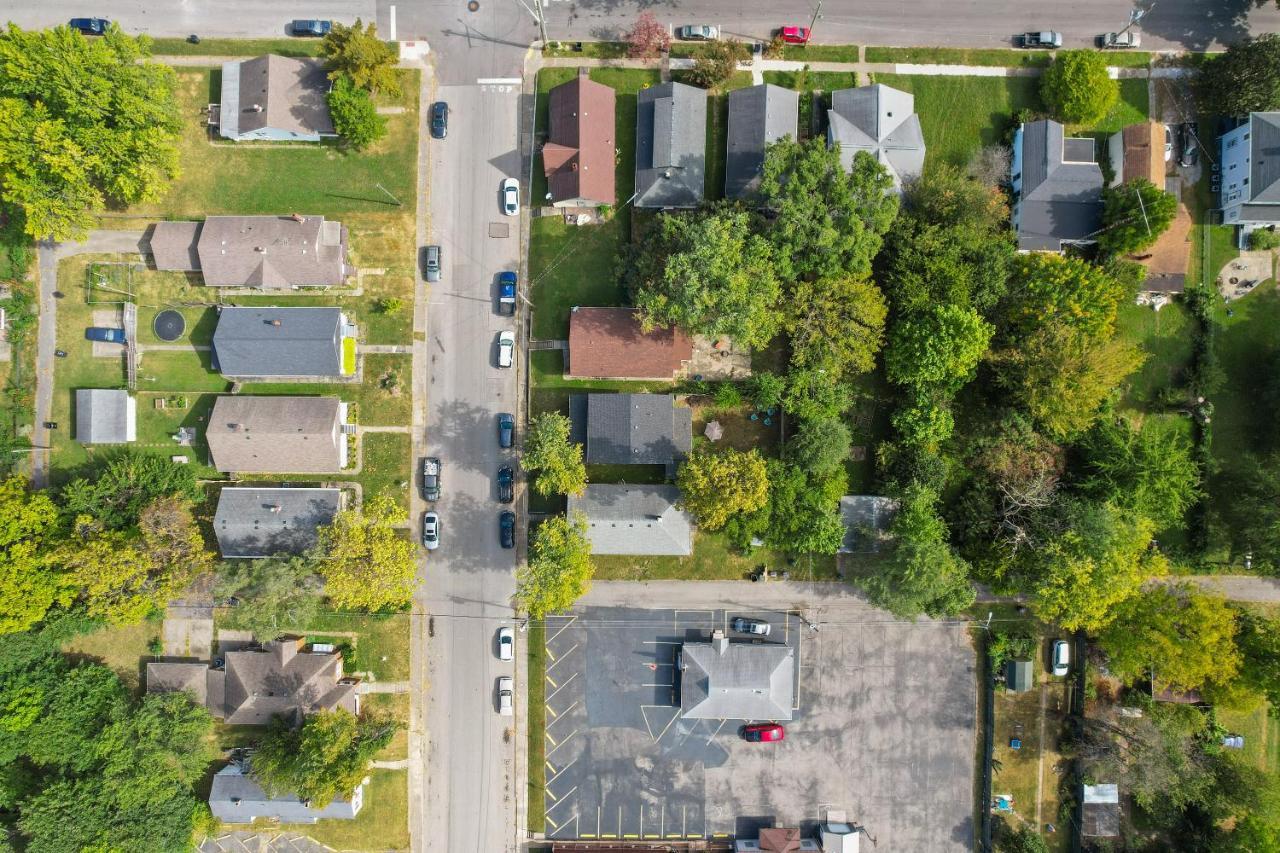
[
  {"x": 310, "y": 28},
  {"x": 89, "y": 26},
  {"x": 439, "y": 119},
  {"x": 506, "y": 429},
  {"x": 506, "y": 484},
  {"x": 431, "y": 479},
  {"x": 1190, "y": 150},
  {"x": 507, "y": 529}
]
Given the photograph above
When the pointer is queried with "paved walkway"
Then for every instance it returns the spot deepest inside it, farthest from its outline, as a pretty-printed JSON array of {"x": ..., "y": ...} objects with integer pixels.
[
  {"x": 385, "y": 349},
  {"x": 402, "y": 764},
  {"x": 1247, "y": 588},
  {"x": 173, "y": 348},
  {"x": 383, "y": 687},
  {"x": 401, "y": 429}
]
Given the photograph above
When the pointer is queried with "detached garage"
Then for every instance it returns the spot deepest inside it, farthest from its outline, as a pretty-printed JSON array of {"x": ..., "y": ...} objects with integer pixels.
[{"x": 105, "y": 416}]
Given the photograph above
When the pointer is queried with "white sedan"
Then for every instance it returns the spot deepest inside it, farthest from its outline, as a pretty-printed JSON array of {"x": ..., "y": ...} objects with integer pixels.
[
  {"x": 506, "y": 349},
  {"x": 506, "y": 644},
  {"x": 431, "y": 531},
  {"x": 510, "y": 196}
]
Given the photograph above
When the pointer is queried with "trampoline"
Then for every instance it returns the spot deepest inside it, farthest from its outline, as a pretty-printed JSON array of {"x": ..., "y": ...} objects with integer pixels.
[{"x": 169, "y": 325}]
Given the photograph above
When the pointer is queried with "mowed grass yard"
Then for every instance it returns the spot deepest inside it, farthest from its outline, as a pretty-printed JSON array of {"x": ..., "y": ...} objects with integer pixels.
[
  {"x": 381, "y": 826},
  {"x": 125, "y": 649},
  {"x": 714, "y": 558},
  {"x": 1165, "y": 337}
]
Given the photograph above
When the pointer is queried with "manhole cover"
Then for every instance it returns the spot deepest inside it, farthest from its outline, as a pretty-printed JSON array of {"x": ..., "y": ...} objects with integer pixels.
[
  {"x": 499, "y": 229},
  {"x": 473, "y": 5},
  {"x": 169, "y": 325}
]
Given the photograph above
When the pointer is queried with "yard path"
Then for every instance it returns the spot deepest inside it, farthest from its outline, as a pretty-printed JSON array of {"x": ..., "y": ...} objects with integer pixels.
[
  {"x": 383, "y": 687},
  {"x": 174, "y": 348},
  {"x": 1044, "y": 696},
  {"x": 384, "y": 349},
  {"x": 399, "y": 429}
]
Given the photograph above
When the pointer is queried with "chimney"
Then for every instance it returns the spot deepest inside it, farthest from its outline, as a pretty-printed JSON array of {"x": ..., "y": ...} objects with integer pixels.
[
  {"x": 719, "y": 641},
  {"x": 261, "y": 249}
]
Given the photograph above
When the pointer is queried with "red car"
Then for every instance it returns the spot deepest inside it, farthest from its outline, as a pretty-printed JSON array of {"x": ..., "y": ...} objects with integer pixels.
[
  {"x": 795, "y": 35},
  {"x": 763, "y": 732}
]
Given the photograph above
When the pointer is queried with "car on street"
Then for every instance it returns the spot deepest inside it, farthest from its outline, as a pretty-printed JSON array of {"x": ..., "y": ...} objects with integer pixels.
[
  {"x": 759, "y": 627},
  {"x": 431, "y": 479},
  {"x": 506, "y": 696},
  {"x": 1119, "y": 41},
  {"x": 431, "y": 531},
  {"x": 1061, "y": 657},
  {"x": 1187, "y": 140},
  {"x": 89, "y": 26},
  {"x": 310, "y": 28},
  {"x": 763, "y": 732},
  {"x": 506, "y": 643},
  {"x": 440, "y": 119},
  {"x": 794, "y": 35},
  {"x": 506, "y": 429},
  {"x": 432, "y": 263},
  {"x": 510, "y": 196},
  {"x": 507, "y": 529},
  {"x": 506, "y": 484},
  {"x": 101, "y": 333},
  {"x": 1041, "y": 39},
  {"x": 698, "y": 32},
  {"x": 506, "y": 348},
  {"x": 507, "y": 293}
]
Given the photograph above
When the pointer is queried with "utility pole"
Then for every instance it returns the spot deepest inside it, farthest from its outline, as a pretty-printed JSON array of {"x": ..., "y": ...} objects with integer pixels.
[
  {"x": 542, "y": 20},
  {"x": 1135, "y": 16},
  {"x": 814, "y": 20}
]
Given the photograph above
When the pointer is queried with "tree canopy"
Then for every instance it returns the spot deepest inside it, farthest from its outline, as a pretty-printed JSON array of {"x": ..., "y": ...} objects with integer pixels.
[
  {"x": 28, "y": 586},
  {"x": 116, "y": 489},
  {"x": 1149, "y": 470},
  {"x": 355, "y": 51},
  {"x": 365, "y": 562},
  {"x": 1077, "y": 88},
  {"x": 938, "y": 346},
  {"x": 324, "y": 758},
  {"x": 820, "y": 446},
  {"x": 355, "y": 117},
  {"x": 273, "y": 595},
  {"x": 835, "y": 325},
  {"x": 553, "y": 459},
  {"x": 1134, "y": 215},
  {"x": 1244, "y": 79},
  {"x": 559, "y": 569},
  {"x": 717, "y": 485}
]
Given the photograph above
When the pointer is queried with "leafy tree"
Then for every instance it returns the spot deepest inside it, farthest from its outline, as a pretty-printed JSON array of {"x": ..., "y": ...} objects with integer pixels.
[
  {"x": 1246, "y": 504},
  {"x": 1243, "y": 80},
  {"x": 1134, "y": 215},
  {"x": 1055, "y": 290},
  {"x": 116, "y": 579},
  {"x": 927, "y": 264},
  {"x": 826, "y": 222},
  {"x": 813, "y": 394},
  {"x": 716, "y": 485},
  {"x": 1024, "y": 839},
  {"x": 74, "y": 710},
  {"x": 1252, "y": 834},
  {"x": 365, "y": 562},
  {"x": 938, "y": 346},
  {"x": 28, "y": 588},
  {"x": 1149, "y": 471},
  {"x": 946, "y": 196},
  {"x": 924, "y": 419},
  {"x": 275, "y": 595},
  {"x": 324, "y": 758},
  {"x": 715, "y": 62},
  {"x": 357, "y": 53},
  {"x": 820, "y": 446},
  {"x": 648, "y": 37},
  {"x": 553, "y": 457},
  {"x": 355, "y": 118},
  {"x": 706, "y": 273},
  {"x": 1259, "y": 644},
  {"x": 559, "y": 569},
  {"x": 116, "y": 490},
  {"x": 1077, "y": 88},
  {"x": 803, "y": 513},
  {"x": 835, "y": 324},
  {"x": 765, "y": 389},
  {"x": 171, "y": 538},
  {"x": 1264, "y": 239}
]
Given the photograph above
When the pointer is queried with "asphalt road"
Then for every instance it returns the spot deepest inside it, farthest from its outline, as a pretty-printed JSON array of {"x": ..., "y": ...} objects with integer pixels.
[{"x": 229, "y": 18}]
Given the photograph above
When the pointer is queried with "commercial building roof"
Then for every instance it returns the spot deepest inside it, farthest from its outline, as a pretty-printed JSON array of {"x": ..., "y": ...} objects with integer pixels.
[
  {"x": 671, "y": 146},
  {"x": 267, "y": 252},
  {"x": 260, "y": 434},
  {"x": 636, "y": 520},
  {"x": 105, "y": 416},
  {"x": 737, "y": 681},
  {"x": 758, "y": 116},
  {"x": 279, "y": 342},
  {"x": 637, "y": 429},
  {"x": 881, "y": 121},
  {"x": 252, "y": 522},
  {"x": 608, "y": 343},
  {"x": 578, "y": 158},
  {"x": 236, "y": 797},
  {"x": 278, "y": 93},
  {"x": 1060, "y": 189}
]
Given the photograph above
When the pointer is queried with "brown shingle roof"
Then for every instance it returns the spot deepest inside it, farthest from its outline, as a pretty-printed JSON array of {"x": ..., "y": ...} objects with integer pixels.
[
  {"x": 1144, "y": 152},
  {"x": 578, "y": 158},
  {"x": 290, "y": 92},
  {"x": 298, "y": 435},
  {"x": 607, "y": 343},
  {"x": 173, "y": 245},
  {"x": 272, "y": 251},
  {"x": 780, "y": 840}
]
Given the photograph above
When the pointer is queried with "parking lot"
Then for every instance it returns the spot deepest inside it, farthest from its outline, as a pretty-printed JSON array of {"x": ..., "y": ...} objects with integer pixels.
[{"x": 883, "y": 727}]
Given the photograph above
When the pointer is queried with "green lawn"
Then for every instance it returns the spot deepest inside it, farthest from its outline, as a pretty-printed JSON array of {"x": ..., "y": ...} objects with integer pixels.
[
  {"x": 387, "y": 465},
  {"x": 397, "y": 705},
  {"x": 960, "y": 56},
  {"x": 236, "y": 47},
  {"x": 713, "y": 559},
  {"x": 382, "y": 825},
  {"x": 588, "y": 49},
  {"x": 827, "y": 81},
  {"x": 125, "y": 649},
  {"x": 1165, "y": 336},
  {"x": 550, "y": 390},
  {"x": 1244, "y": 343},
  {"x": 377, "y": 406},
  {"x": 1133, "y": 107},
  {"x": 381, "y": 645},
  {"x": 717, "y": 133},
  {"x": 537, "y": 788},
  {"x": 1261, "y": 736},
  {"x": 820, "y": 52}
]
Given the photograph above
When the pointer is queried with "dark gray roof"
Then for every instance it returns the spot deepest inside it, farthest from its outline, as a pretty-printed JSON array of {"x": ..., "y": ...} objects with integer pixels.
[
  {"x": 864, "y": 517},
  {"x": 269, "y": 434},
  {"x": 105, "y": 416},
  {"x": 1101, "y": 811},
  {"x": 625, "y": 519},
  {"x": 1018, "y": 675},
  {"x": 1260, "y": 213},
  {"x": 238, "y": 798},
  {"x": 277, "y": 92},
  {"x": 1264, "y": 158},
  {"x": 248, "y": 523},
  {"x": 279, "y": 342},
  {"x": 881, "y": 121},
  {"x": 758, "y": 115},
  {"x": 737, "y": 681},
  {"x": 671, "y": 146},
  {"x": 1060, "y": 197},
  {"x": 637, "y": 429}
]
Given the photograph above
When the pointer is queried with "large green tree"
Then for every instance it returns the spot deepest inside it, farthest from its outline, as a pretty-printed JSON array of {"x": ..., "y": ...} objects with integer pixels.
[
  {"x": 716, "y": 485},
  {"x": 1077, "y": 88},
  {"x": 365, "y": 562},
  {"x": 356, "y": 52},
  {"x": 1134, "y": 215},
  {"x": 273, "y": 595},
  {"x": 1243, "y": 80},
  {"x": 835, "y": 325},
  {"x": 938, "y": 346},
  {"x": 115, "y": 578},
  {"x": 559, "y": 569},
  {"x": 1149, "y": 470},
  {"x": 324, "y": 758},
  {"x": 554, "y": 459},
  {"x": 28, "y": 586},
  {"x": 820, "y": 446},
  {"x": 118, "y": 487},
  {"x": 1049, "y": 290},
  {"x": 83, "y": 122},
  {"x": 355, "y": 117}
]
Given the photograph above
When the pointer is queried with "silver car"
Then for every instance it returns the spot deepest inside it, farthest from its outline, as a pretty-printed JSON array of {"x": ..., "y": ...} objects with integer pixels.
[
  {"x": 506, "y": 696},
  {"x": 431, "y": 531},
  {"x": 698, "y": 32},
  {"x": 433, "y": 263}
]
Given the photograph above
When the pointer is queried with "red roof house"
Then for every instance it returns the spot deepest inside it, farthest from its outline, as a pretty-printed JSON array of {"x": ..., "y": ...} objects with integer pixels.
[
  {"x": 578, "y": 157},
  {"x": 608, "y": 343}
]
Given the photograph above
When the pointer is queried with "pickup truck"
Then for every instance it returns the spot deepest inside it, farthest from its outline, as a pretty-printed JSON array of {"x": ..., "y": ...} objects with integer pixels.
[
  {"x": 431, "y": 479},
  {"x": 101, "y": 333},
  {"x": 1045, "y": 39},
  {"x": 507, "y": 293},
  {"x": 1117, "y": 41}
]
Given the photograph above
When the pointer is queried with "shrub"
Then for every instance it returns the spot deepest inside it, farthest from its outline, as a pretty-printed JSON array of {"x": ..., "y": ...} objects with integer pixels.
[
  {"x": 1263, "y": 239},
  {"x": 1077, "y": 88},
  {"x": 355, "y": 118}
]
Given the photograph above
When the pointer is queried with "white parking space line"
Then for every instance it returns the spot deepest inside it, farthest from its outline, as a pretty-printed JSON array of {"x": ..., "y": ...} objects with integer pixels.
[
  {"x": 561, "y": 770},
  {"x": 563, "y": 742},
  {"x": 716, "y": 732},
  {"x": 559, "y": 687},
  {"x": 562, "y": 656},
  {"x": 568, "y": 621},
  {"x": 562, "y": 714}
]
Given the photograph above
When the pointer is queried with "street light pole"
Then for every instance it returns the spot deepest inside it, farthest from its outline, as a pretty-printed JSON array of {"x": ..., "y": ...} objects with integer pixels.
[{"x": 813, "y": 22}]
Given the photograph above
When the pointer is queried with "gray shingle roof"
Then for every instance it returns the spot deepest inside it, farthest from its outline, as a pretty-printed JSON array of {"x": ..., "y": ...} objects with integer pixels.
[
  {"x": 279, "y": 342},
  {"x": 237, "y": 798},
  {"x": 105, "y": 416},
  {"x": 1264, "y": 158},
  {"x": 173, "y": 245},
  {"x": 625, "y": 519},
  {"x": 272, "y": 251},
  {"x": 758, "y": 115},
  {"x": 1060, "y": 198},
  {"x": 248, "y": 523},
  {"x": 671, "y": 142},
  {"x": 882, "y": 121},
  {"x": 737, "y": 681},
  {"x": 277, "y": 92},
  {"x": 637, "y": 429},
  {"x": 258, "y": 434}
]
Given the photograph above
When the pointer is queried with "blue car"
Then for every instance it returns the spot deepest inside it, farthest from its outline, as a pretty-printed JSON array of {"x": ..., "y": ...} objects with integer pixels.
[
  {"x": 100, "y": 333},
  {"x": 310, "y": 28},
  {"x": 506, "y": 429},
  {"x": 507, "y": 293},
  {"x": 89, "y": 26}
]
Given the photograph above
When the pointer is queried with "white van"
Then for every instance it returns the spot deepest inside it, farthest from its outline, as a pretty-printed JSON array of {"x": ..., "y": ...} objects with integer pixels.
[{"x": 1061, "y": 657}]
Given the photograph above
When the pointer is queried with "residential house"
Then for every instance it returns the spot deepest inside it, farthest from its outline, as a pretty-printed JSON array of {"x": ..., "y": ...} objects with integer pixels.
[
  {"x": 881, "y": 121},
  {"x": 632, "y": 429},
  {"x": 1137, "y": 151},
  {"x": 1250, "y": 171},
  {"x": 609, "y": 343},
  {"x": 283, "y": 435},
  {"x": 1057, "y": 188},
  {"x": 758, "y": 116},
  {"x": 578, "y": 157},
  {"x": 720, "y": 680},
  {"x": 251, "y": 523},
  {"x": 292, "y": 343},
  {"x": 105, "y": 416},
  {"x": 236, "y": 797},
  {"x": 274, "y": 98},
  {"x": 671, "y": 146},
  {"x": 1100, "y": 808},
  {"x": 281, "y": 678},
  {"x": 635, "y": 520},
  {"x": 266, "y": 252}
]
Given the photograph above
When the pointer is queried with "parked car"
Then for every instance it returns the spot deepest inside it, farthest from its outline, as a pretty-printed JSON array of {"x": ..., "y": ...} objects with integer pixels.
[
  {"x": 310, "y": 28},
  {"x": 433, "y": 263},
  {"x": 506, "y": 696},
  {"x": 1043, "y": 39},
  {"x": 507, "y": 293},
  {"x": 751, "y": 626},
  {"x": 506, "y": 429},
  {"x": 1061, "y": 657},
  {"x": 763, "y": 732},
  {"x": 698, "y": 32},
  {"x": 794, "y": 35},
  {"x": 440, "y": 119},
  {"x": 89, "y": 26},
  {"x": 431, "y": 531},
  {"x": 507, "y": 529},
  {"x": 431, "y": 479},
  {"x": 1190, "y": 150},
  {"x": 1119, "y": 41},
  {"x": 506, "y": 484},
  {"x": 506, "y": 348},
  {"x": 101, "y": 333},
  {"x": 506, "y": 643},
  {"x": 510, "y": 196}
]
